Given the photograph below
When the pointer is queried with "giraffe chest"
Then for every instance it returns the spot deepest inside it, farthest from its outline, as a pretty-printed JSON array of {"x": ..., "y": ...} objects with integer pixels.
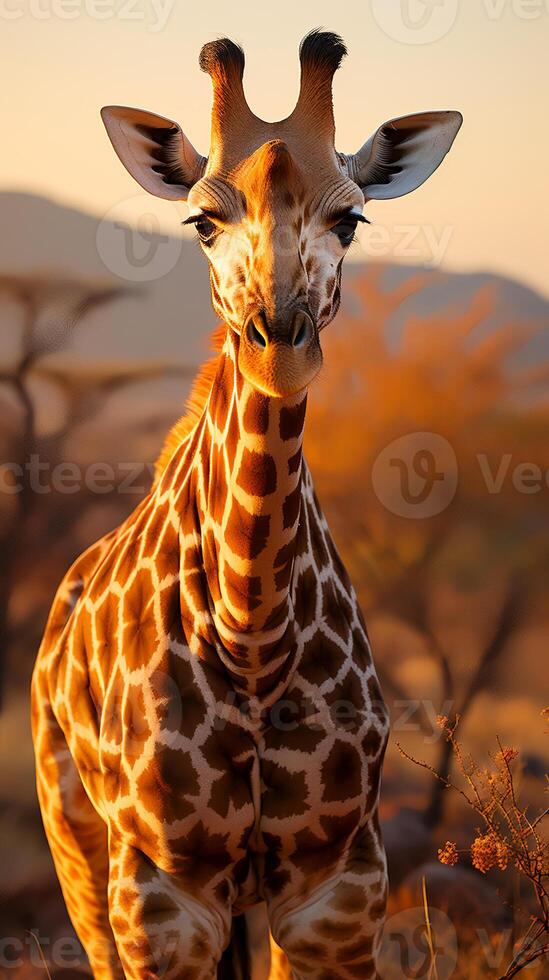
[
  {"x": 195, "y": 781},
  {"x": 178, "y": 766},
  {"x": 320, "y": 756}
]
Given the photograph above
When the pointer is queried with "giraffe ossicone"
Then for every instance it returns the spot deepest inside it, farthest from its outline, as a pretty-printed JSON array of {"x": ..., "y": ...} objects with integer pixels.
[{"x": 208, "y": 725}]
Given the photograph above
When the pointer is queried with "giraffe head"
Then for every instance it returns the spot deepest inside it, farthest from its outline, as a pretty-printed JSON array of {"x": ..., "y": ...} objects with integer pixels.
[{"x": 275, "y": 206}]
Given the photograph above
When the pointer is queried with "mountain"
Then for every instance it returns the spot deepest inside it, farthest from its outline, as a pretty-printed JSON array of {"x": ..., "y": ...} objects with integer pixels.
[{"x": 168, "y": 316}]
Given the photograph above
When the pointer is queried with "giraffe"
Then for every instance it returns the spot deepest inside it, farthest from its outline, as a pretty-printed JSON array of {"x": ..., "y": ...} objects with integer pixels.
[{"x": 208, "y": 725}]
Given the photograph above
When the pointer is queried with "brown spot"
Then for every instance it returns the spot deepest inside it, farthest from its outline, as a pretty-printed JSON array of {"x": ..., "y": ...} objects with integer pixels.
[
  {"x": 138, "y": 833},
  {"x": 291, "y": 507},
  {"x": 211, "y": 564},
  {"x": 371, "y": 743},
  {"x": 341, "y": 773},
  {"x": 217, "y": 485},
  {"x": 301, "y": 738},
  {"x": 305, "y": 599},
  {"x": 246, "y": 533},
  {"x": 359, "y": 948},
  {"x": 347, "y": 703},
  {"x": 140, "y": 637},
  {"x": 282, "y": 577},
  {"x": 170, "y": 613},
  {"x": 310, "y": 853},
  {"x": 181, "y": 705},
  {"x": 349, "y": 898},
  {"x": 306, "y": 950},
  {"x": 285, "y": 793},
  {"x": 193, "y": 592},
  {"x": 257, "y": 474},
  {"x": 334, "y": 612},
  {"x": 229, "y": 753},
  {"x": 318, "y": 542},
  {"x": 362, "y": 971},
  {"x": 285, "y": 555},
  {"x": 294, "y": 462},
  {"x": 201, "y": 854},
  {"x": 276, "y": 616},
  {"x": 322, "y": 659},
  {"x": 158, "y": 908},
  {"x": 339, "y": 829},
  {"x": 256, "y": 414},
  {"x": 164, "y": 783},
  {"x": 243, "y": 591},
  {"x": 336, "y": 931},
  {"x": 232, "y": 438},
  {"x": 274, "y": 877},
  {"x": 292, "y": 421}
]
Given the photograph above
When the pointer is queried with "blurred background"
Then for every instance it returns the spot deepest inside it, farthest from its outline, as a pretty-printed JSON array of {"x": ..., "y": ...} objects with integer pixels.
[{"x": 429, "y": 448}]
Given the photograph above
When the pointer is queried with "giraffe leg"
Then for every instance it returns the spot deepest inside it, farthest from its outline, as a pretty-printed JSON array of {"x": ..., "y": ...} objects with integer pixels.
[
  {"x": 336, "y": 931},
  {"x": 78, "y": 841},
  {"x": 161, "y": 930}
]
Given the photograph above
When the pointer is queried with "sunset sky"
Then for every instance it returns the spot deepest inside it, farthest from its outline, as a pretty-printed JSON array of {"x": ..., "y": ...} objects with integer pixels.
[{"x": 487, "y": 208}]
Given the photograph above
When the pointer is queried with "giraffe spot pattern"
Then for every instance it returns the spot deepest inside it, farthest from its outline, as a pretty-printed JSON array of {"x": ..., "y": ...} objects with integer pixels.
[
  {"x": 247, "y": 533},
  {"x": 228, "y": 767},
  {"x": 292, "y": 421},
  {"x": 256, "y": 414},
  {"x": 257, "y": 474}
]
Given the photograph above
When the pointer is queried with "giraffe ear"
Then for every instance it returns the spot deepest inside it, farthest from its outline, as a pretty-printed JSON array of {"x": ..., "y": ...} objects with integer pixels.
[
  {"x": 403, "y": 153},
  {"x": 154, "y": 150}
]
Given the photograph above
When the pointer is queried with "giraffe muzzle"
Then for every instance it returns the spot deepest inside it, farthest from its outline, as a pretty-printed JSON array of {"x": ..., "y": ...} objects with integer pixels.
[
  {"x": 300, "y": 333},
  {"x": 279, "y": 359}
]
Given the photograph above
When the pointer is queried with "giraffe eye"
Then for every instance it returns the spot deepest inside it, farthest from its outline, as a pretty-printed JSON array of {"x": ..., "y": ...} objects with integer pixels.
[
  {"x": 345, "y": 231},
  {"x": 205, "y": 230}
]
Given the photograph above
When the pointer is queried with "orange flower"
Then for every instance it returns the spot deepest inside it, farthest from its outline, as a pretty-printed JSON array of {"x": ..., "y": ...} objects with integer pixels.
[
  {"x": 448, "y": 854},
  {"x": 506, "y": 756},
  {"x": 489, "y": 851}
]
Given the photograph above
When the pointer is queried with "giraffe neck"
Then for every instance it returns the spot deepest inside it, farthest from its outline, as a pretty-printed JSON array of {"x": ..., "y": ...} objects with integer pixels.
[{"x": 248, "y": 495}]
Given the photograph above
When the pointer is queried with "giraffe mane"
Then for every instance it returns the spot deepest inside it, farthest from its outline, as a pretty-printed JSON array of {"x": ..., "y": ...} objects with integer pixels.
[{"x": 196, "y": 402}]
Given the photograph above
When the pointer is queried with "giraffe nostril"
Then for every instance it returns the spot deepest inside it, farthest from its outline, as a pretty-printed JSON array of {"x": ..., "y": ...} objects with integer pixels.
[
  {"x": 302, "y": 330},
  {"x": 255, "y": 335}
]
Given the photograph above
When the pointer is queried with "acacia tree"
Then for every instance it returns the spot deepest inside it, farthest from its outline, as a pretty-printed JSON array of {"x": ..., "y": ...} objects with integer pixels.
[
  {"x": 51, "y": 308},
  {"x": 451, "y": 376}
]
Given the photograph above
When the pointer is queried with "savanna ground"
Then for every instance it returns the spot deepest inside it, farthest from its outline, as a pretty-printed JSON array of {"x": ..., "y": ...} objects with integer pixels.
[{"x": 430, "y": 457}]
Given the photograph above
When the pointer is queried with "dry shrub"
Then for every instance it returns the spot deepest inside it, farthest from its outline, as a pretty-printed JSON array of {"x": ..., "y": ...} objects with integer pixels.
[{"x": 508, "y": 834}]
